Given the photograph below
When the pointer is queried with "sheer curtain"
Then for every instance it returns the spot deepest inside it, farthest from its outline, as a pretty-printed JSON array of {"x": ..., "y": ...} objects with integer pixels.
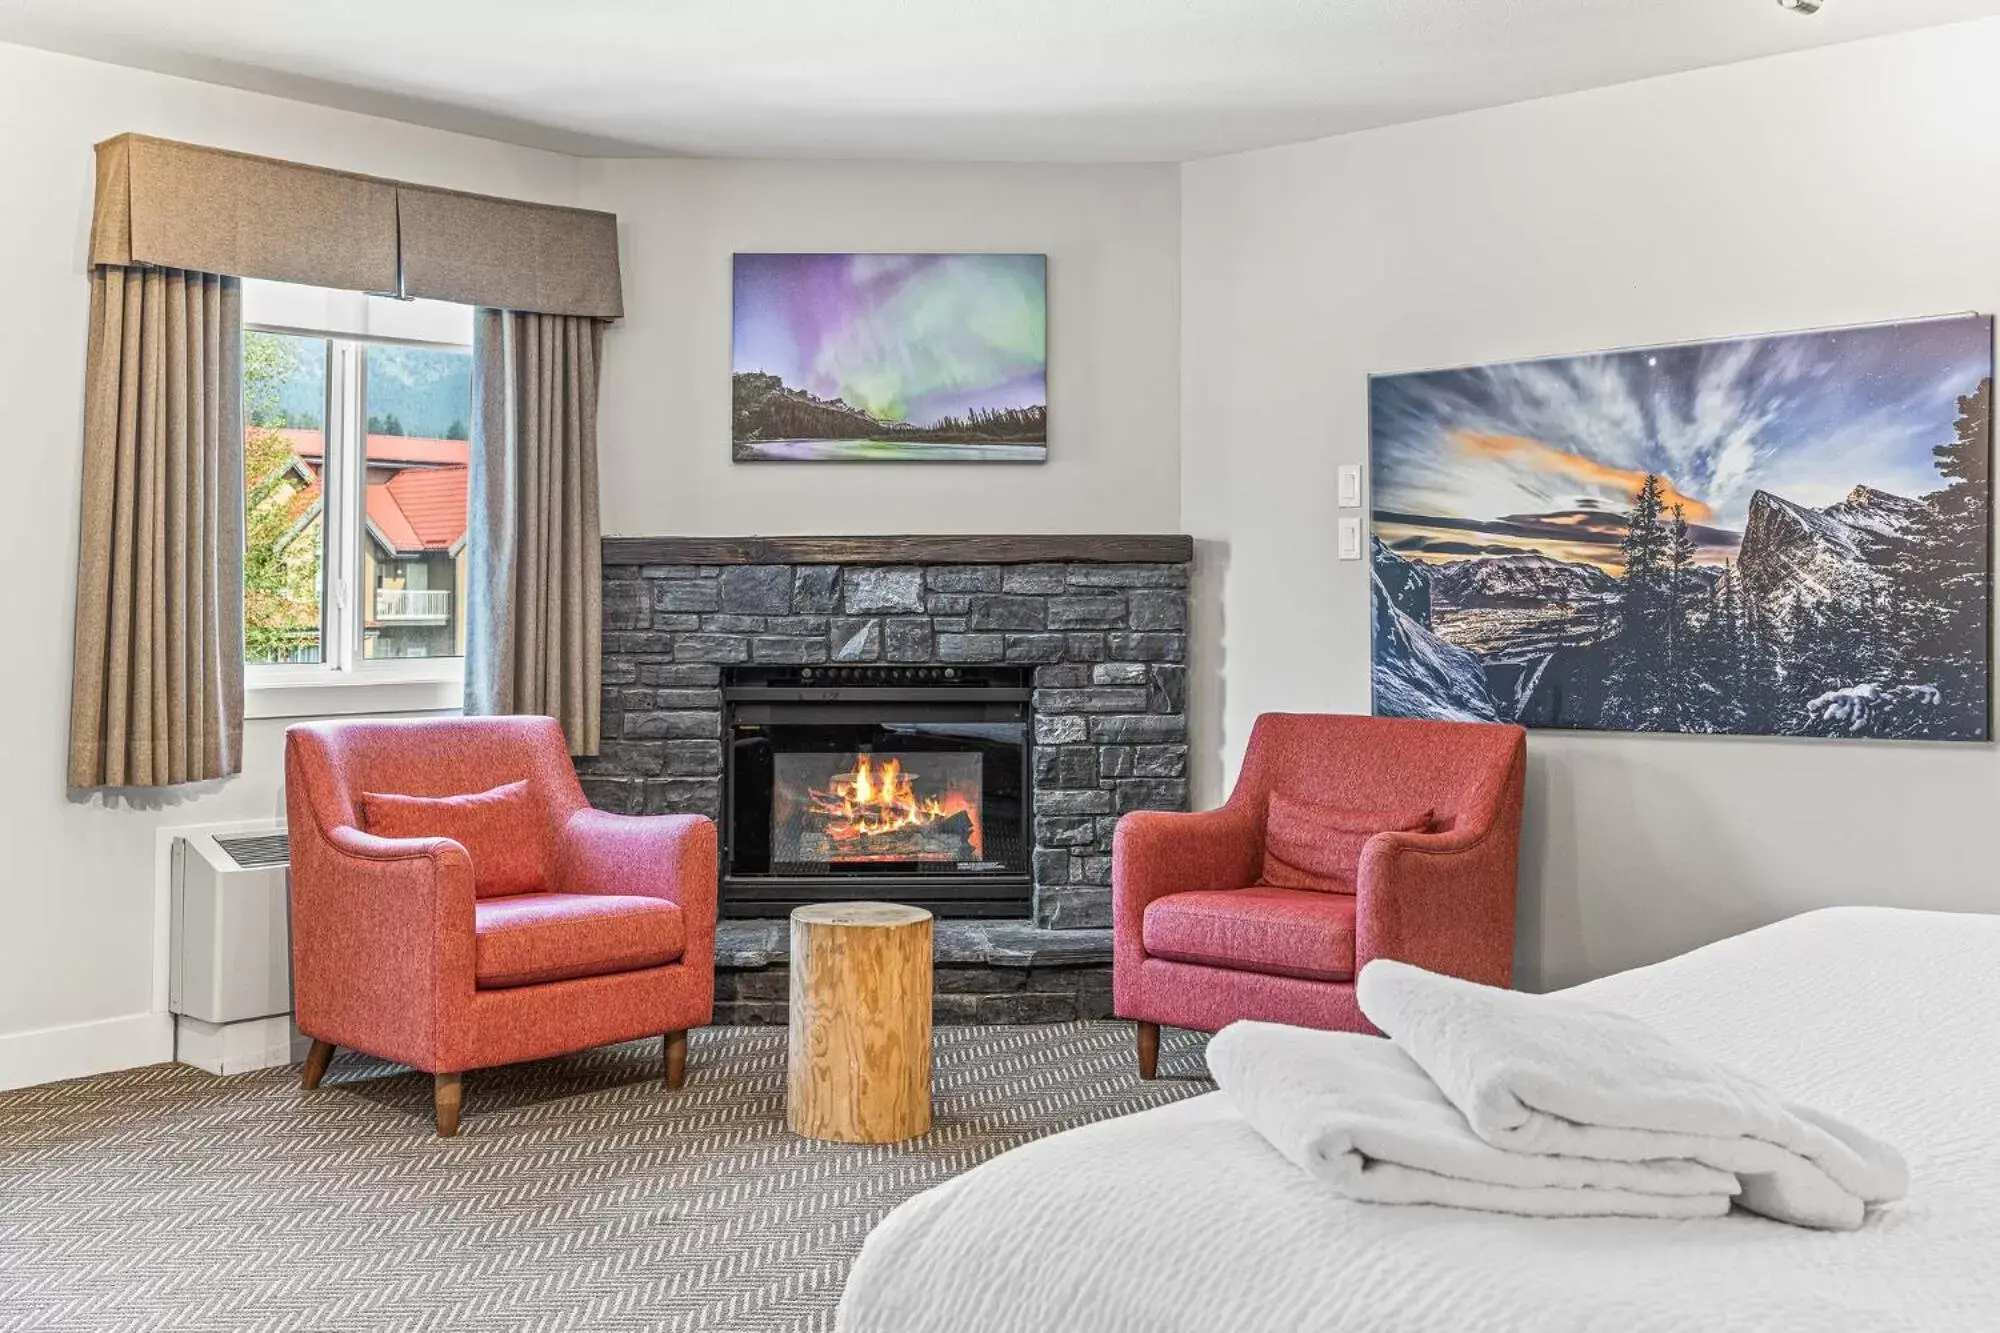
[
  {"x": 157, "y": 684},
  {"x": 534, "y": 613}
]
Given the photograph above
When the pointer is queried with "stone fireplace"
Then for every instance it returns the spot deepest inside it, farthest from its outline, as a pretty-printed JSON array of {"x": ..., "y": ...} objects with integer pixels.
[{"x": 1026, "y": 692}]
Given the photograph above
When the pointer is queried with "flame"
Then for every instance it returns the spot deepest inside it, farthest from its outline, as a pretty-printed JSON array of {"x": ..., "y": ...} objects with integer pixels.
[{"x": 866, "y": 802}]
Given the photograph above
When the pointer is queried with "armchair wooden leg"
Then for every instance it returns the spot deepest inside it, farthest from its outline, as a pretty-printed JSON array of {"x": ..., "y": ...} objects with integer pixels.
[
  {"x": 447, "y": 1095},
  {"x": 675, "y": 1045},
  {"x": 316, "y": 1062},
  {"x": 1149, "y": 1049}
]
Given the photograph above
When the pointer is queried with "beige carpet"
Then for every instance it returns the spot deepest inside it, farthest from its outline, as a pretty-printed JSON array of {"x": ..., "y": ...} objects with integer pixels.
[{"x": 580, "y": 1193}]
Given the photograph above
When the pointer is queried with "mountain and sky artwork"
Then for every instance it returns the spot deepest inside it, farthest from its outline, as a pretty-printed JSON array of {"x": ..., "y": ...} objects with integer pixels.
[
  {"x": 890, "y": 357},
  {"x": 1783, "y": 535}
]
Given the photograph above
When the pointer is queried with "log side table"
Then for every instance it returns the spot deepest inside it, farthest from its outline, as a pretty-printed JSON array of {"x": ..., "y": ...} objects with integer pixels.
[{"x": 860, "y": 1057}]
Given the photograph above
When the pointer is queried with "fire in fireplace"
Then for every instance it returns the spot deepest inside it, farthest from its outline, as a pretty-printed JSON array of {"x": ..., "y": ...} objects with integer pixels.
[
  {"x": 881, "y": 808},
  {"x": 862, "y": 782}
]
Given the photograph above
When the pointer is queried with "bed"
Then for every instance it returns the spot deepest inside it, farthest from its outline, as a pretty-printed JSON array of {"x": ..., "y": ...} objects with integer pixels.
[{"x": 1184, "y": 1218}]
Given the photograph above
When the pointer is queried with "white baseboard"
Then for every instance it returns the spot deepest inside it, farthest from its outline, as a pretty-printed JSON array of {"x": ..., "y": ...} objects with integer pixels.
[
  {"x": 238, "y": 1048},
  {"x": 49, "y": 1055}
]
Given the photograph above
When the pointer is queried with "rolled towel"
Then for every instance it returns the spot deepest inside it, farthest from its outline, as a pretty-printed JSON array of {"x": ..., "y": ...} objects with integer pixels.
[
  {"x": 1549, "y": 1074},
  {"x": 1358, "y": 1114}
]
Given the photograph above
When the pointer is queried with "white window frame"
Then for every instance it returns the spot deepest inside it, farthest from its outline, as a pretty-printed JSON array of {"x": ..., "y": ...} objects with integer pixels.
[{"x": 346, "y": 681}]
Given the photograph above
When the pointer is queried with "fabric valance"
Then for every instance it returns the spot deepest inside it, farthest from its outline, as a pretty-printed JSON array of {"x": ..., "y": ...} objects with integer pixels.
[
  {"x": 507, "y": 255},
  {"x": 174, "y": 205},
  {"x": 183, "y": 206}
]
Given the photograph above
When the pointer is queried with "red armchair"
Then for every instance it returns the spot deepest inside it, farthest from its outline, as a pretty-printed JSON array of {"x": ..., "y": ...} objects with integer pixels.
[
  {"x": 1200, "y": 941},
  {"x": 395, "y": 953}
]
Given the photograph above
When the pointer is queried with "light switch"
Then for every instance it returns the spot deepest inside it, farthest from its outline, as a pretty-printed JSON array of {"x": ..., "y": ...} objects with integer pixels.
[
  {"x": 1350, "y": 486},
  {"x": 1350, "y": 539}
]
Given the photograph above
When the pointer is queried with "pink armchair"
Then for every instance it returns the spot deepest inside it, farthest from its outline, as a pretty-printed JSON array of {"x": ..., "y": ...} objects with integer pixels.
[
  {"x": 396, "y": 951},
  {"x": 1200, "y": 940}
]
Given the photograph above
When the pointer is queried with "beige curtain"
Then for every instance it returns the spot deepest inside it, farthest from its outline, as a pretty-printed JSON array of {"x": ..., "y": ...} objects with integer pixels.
[
  {"x": 157, "y": 687},
  {"x": 534, "y": 602}
]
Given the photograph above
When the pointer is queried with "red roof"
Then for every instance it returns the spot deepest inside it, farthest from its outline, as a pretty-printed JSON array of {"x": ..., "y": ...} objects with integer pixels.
[
  {"x": 387, "y": 519},
  {"x": 429, "y": 504},
  {"x": 422, "y": 507},
  {"x": 387, "y": 449}
]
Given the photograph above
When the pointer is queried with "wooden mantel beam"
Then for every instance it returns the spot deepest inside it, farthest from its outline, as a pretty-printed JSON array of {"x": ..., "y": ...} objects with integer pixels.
[{"x": 1165, "y": 548}]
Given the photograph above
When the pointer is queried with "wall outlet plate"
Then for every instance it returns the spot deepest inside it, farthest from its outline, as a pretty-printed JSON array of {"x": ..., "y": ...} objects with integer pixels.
[
  {"x": 1350, "y": 485},
  {"x": 1350, "y": 539}
]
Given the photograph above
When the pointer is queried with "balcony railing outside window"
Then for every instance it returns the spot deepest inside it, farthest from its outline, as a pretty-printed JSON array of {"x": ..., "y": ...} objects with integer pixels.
[{"x": 412, "y": 606}]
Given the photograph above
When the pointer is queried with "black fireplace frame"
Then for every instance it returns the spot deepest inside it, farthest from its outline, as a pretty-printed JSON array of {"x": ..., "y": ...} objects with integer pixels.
[{"x": 776, "y": 695}]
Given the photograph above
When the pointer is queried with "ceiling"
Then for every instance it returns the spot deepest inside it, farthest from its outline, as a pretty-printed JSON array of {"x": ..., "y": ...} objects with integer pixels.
[{"x": 989, "y": 80}]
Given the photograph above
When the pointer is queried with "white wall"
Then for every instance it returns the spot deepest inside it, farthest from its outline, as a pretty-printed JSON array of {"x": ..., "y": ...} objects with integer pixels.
[
  {"x": 1112, "y": 238},
  {"x": 79, "y": 938},
  {"x": 1853, "y": 184}
]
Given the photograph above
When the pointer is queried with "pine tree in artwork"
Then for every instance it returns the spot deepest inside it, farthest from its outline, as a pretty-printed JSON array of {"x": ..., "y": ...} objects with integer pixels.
[
  {"x": 1763, "y": 648},
  {"x": 1817, "y": 661},
  {"x": 1723, "y": 658},
  {"x": 1965, "y": 460},
  {"x": 1943, "y": 573},
  {"x": 1888, "y": 652},
  {"x": 1682, "y": 624},
  {"x": 1636, "y": 693},
  {"x": 1862, "y": 651}
]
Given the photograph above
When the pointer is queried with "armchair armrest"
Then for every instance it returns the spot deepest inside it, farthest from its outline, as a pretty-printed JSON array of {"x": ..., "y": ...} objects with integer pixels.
[
  {"x": 1158, "y": 852},
  {"x": 657, "y": 856},
  {"x": 1441, "y": 901},
  {"x": 382, "y": 942}
]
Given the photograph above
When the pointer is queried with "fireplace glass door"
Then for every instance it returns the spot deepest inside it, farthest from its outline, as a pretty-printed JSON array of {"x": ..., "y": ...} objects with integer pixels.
[
  {"x": 882, "y": 809},
  {"x": 910, "y": 794}
]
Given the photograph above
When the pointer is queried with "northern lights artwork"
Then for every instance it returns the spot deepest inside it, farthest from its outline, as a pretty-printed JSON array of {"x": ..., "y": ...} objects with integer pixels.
[
  {"x": 1782, "y": 535},
  {"x": 890, "y": 358}
]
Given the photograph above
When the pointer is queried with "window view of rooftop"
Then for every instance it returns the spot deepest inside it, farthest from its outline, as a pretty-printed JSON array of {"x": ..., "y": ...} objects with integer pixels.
[
  {"x": 419, "y": 401},
  {"x": 412, "y": 506}
]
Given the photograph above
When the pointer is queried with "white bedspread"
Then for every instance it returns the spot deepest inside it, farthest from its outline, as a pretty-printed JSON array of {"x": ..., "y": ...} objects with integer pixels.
[{"x": 1185, "y": 1218}]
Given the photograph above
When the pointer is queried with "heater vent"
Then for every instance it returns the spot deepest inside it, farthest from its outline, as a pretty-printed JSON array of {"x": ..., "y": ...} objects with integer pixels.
[{"x": 259, "y": 851}]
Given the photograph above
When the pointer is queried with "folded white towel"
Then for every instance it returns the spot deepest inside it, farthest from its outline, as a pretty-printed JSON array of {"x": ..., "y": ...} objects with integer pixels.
[
  {"x": 1548, "y": 1074},
  {"x": 1358, "y": 1114}
]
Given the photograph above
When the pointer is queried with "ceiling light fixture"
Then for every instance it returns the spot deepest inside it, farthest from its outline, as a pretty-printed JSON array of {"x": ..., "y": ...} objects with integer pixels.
[{"x": 1801, "y": 6}]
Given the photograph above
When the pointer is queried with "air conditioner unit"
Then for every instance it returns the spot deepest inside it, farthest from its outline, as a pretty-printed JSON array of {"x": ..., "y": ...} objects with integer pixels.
[{"x": 230, "y": 978}]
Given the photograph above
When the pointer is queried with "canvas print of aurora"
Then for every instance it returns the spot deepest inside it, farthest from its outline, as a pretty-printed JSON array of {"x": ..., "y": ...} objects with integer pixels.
[
  {"x": 891, "y": 358},
  {"x": 1773, "y": 536}
]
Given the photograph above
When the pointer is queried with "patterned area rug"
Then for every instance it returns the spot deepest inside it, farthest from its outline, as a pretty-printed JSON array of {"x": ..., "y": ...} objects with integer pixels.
[{"x": 579, "y": 1194}]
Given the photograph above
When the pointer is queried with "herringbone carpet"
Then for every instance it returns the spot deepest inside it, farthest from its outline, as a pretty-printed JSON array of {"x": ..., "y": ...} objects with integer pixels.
[{"x": 580, "y": 1194}]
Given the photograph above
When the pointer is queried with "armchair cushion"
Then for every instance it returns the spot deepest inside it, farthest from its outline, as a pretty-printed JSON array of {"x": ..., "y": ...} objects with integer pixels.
[
  {"x": 1313, "y": 846},
  {"x": 500, "y": 830},
  {"x": 531, "y": 938},
  {"x": 1279, "y": 931}
]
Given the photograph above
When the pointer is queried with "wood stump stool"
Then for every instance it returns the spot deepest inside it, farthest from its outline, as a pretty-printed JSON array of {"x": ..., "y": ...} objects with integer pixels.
[{"x": 860, "y": 1067}]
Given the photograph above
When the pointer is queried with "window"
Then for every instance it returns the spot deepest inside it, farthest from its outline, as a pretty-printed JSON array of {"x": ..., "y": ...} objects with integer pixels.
[
  {"x": 357, "y": 414},
  {"x": 284, "y": 532}
]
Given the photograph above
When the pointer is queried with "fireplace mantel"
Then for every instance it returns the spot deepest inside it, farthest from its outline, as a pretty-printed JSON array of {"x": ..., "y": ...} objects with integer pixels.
[{"x": 1165, "y": 548}]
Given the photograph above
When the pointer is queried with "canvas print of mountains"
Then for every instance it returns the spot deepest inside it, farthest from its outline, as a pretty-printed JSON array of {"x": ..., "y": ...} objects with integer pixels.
[
  {"x": 896, "y": 358},
  {"x": 1772, "y": 536}
]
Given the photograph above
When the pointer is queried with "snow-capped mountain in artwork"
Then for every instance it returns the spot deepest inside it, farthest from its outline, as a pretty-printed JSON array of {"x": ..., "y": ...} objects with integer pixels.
[
  {"x": 1846, "y": 552},
  {"x": 1527, "y": 579},
  {"x": 1417, "y": 674}
]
